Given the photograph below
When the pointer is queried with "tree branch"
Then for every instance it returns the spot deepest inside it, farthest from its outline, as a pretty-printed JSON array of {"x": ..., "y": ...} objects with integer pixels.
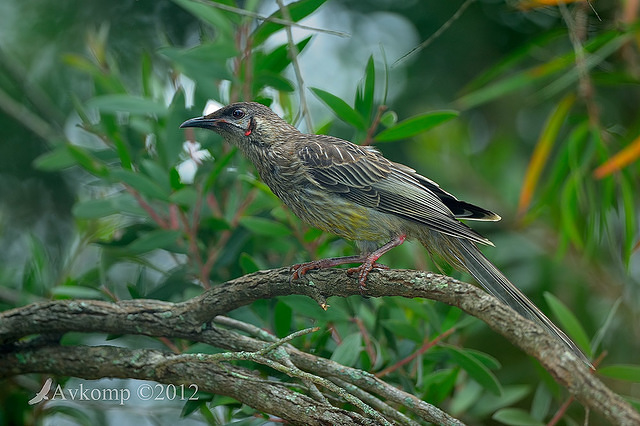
[
  {"x": 186, "y": 319},
  {"x": 236, "y": 382}
]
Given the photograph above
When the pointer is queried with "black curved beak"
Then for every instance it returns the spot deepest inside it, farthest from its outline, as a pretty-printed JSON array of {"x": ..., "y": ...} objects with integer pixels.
[{"x": 202, "y": 122}]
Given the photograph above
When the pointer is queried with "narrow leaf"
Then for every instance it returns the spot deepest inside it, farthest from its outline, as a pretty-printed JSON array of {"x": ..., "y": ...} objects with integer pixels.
[
  {"x": 626, "y": 372},
  {"x": 341, "y": 109},
  {"x": 141, "y": 183},
  {"x": 516, "y": 417},
  {"x": 569, "y": 322},
  {"x": 476, "y": 370},
  {"x": 77, "y": 292},
  {"x": 264, "y": 226},
  {"x": 298, "y": 10},
  {"x": 366, "y": 90},
  {"x": 94, "y": 209},
  {"x": 629, "y": 207},
  {"x": 279, "y": 59},
  {"x": 620, "y": 160},
  {"x": 154, "y": 240},
  {"x": 542, "y": 150},
  {"x": 209, "y": 15},
  {"x": 127, "y": 103},
  {"x": 569, "y": 211},
  {"x": 57, "y": 159},
  {"x": 84, "y": 159},
  {"x": 348, "y": 351},
  {"x": 414, "y": 125}
]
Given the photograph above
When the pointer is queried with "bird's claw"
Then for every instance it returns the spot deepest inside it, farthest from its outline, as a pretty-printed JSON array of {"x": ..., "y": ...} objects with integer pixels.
[
  {"x": 300, "y": 269},
  {"x": 363, "y": 273}
]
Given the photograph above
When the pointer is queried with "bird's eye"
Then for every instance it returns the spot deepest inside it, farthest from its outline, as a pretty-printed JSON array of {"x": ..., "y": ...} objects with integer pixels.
[{"x": 237, "y": 113}]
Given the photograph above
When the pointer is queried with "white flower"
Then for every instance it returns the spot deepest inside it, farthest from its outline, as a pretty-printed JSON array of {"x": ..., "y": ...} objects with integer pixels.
[{"x": 193, "y": 158}]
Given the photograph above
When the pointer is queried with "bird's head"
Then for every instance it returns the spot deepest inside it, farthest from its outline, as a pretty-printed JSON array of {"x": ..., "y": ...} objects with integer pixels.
[{"x": 244, "y": 124}]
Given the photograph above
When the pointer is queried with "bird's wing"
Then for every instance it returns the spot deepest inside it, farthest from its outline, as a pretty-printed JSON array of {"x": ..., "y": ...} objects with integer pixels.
[
  {"x": 460, "y": 209},
  {"x": 344, "y": 168},
  {"x": 362, "y": 175}
]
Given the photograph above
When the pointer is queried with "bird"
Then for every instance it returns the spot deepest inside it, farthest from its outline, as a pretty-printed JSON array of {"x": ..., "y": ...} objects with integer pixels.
[
  {"x": 354, "y": 192},
  {"x": 43, "y": 393}
]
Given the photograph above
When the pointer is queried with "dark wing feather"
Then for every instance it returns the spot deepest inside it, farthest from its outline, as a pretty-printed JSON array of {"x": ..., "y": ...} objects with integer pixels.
[
  {"x": 362, "y": 175},
  {"x": 460, "y": 209}
]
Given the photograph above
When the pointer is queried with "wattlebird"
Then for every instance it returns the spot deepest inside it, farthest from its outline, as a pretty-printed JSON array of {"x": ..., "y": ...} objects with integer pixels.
[{"x": 356, "y": 193}]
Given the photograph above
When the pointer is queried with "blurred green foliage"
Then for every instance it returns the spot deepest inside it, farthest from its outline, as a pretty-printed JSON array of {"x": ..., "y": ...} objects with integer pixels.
[{"x": 160, "y": 212}]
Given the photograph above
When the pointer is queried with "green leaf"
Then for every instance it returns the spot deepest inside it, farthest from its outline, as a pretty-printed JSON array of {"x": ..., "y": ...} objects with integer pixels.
[
  {"x": 486, "y": 359},
  {"x": 569, "y": 322},
  {"x": 573, "y": 74},
  {"x": 274, "y": 80},
  {"x": 476, "y": 369},
  {"x": 442, "y": 383},
  {"x": 366, "y": 89},
  {"x": 628, "y": 372},
  {"x": 414, "y": 125},
  {"x": 87, "y": 161},
  {"x": 541, "y": 404},
  {"x": 341, "y": 109},
  {"x": 205, "y": 60},
  {"x": 515, "y": 417},
  {"x": 283, "y": 319},
  {"x": 403, "y": 329},
  {"x": 157, "y": 173},
  {"x": 186, "y": 197},
  {"x": 127, "y": 103},
  {"x": 298, "y": 10},
  {"x": 490, "y": 403},
  {"x": 57, "y": 159},
  {"x": 154, "y": 240},
  {"x": 452, "y": 318},
  {"x": 629, "y": 196},
  {"x": 77, "y": 292},
  {"x": 94, "y": 209},
  {"x": 141, "y": 183},
  {"x": 209, "y": 15},
  {"x": 196, "y": 400},
  {"x": 348, "y": 352},
  {"x": 264, "y": 226},
  {"x": 389, "y": 119},
  {"x": 278, "y": 59},
  {"x": 248, "y": 264}
]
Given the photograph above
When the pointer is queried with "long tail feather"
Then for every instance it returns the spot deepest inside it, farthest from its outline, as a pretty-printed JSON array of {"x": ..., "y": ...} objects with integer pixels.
[{"x": 469, "y": 256}]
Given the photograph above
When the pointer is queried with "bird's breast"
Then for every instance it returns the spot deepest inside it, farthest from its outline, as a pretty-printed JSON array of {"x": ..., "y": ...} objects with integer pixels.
[{"x": 334, "y": 214}]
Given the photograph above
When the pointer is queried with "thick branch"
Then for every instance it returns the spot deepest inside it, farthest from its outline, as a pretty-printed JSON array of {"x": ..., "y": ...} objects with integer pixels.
[
  {"x": 185, "y": 320},
  {"x": 146, "y": 364}
]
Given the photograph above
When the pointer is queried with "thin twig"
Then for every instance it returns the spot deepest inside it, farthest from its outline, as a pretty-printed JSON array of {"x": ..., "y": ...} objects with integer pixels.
[
  {"x": 378, "y": 404},
  {"x": 293, "y": 55},
  {"x": 162, "y": 223},
  {"x": 374, "y": 125},
  {"x": 286, "y": 339},
  {"x": 27, "y": 118},
  {"x": 273, "y": 19},
  {"x": 425, "y": 347},
  {"x": 368, "y": 346},
  {"x": 577, "y": 32},
  {"x": 435, "y": 35}
]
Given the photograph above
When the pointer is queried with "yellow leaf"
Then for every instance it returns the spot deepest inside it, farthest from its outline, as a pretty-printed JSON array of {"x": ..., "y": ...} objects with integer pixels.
[
  {"x": 541, "y": 152},
  {"x": 533, "y": 4},
  {"x": 620, "y": 160}
]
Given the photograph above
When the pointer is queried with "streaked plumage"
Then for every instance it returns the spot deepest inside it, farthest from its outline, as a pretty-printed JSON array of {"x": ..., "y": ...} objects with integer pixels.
[{"x": 356, "y": 193}]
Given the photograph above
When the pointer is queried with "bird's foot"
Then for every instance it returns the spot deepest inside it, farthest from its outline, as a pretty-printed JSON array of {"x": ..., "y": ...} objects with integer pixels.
[
  {"x": 300, "y": 269},
  {"x": 363, "y": 272}
]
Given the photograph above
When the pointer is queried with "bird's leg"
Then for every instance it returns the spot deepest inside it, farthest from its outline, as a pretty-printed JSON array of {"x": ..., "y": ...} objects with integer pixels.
[{"x": 369, "y": 261}]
